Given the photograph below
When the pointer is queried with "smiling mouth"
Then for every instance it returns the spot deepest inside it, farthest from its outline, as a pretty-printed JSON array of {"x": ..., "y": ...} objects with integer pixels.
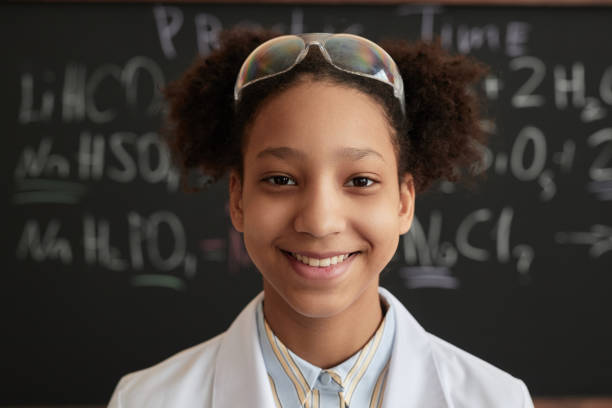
[{"x": 321, "y": 262}]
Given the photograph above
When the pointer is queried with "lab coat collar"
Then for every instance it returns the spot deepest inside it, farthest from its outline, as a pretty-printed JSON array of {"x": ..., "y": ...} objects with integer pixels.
[
  {"x": 241, "y": 378},
  {"x": 412, "y": 380}
]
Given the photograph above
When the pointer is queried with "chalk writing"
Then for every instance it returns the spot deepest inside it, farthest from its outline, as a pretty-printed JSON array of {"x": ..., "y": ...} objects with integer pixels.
[
  {"x": 78, "y": 94},
  {"x": 428, "y": 249},
  {"x": 599, "y": 239}
]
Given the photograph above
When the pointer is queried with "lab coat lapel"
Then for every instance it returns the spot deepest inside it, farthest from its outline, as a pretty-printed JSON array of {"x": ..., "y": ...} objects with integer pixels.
[
  {"x": 241, "y": 378},
  {"x": 412, "y": 380}
]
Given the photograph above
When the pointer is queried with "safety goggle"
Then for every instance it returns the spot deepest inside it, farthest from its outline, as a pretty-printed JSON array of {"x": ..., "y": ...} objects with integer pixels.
[{"x": 346, "y": 52}]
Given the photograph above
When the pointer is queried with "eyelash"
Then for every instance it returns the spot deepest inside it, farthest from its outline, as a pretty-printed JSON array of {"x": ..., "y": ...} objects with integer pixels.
[{"x": 352, "y": 179}]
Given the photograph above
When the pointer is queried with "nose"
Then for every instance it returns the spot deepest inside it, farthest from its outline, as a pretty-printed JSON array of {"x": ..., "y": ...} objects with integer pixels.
[{"x": 321, "y": 212}]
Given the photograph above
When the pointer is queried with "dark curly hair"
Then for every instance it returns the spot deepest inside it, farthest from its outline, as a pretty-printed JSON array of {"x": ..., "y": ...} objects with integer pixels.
[{"x": 440, "y": 136}]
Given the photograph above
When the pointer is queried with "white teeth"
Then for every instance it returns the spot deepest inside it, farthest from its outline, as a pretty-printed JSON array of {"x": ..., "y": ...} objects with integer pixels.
[{"x": 320, "y": 262}]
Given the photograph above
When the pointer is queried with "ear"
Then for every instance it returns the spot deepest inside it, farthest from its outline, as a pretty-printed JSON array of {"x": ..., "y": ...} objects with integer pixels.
[
  {"x": 406, "y": 203},
  {"x": 235, "y": 201}
]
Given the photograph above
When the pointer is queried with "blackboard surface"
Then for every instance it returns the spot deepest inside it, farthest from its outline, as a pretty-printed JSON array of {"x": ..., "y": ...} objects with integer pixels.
[{"x": 109, "y": 268}]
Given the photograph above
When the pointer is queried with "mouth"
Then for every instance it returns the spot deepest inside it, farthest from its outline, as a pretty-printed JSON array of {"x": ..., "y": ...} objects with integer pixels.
[{"x": 320, "y": 262}]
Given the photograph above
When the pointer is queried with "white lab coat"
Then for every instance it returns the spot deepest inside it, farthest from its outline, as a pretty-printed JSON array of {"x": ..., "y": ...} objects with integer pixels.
[{"x": 228, "y": 371}]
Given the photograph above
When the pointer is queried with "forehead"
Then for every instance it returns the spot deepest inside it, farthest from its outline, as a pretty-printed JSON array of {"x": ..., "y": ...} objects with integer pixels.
[{"x": 320, "y": 118}]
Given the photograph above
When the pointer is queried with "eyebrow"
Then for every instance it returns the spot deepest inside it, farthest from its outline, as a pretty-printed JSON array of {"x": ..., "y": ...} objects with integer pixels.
[{"x": 352, "y": 153}]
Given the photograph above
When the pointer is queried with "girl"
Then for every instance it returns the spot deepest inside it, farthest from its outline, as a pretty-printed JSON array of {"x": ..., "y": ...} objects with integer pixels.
[{"x": 327, "y": 139}]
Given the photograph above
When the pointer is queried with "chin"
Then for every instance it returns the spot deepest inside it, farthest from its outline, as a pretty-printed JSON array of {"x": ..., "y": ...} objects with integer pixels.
[{"x": 317, "y": 305}]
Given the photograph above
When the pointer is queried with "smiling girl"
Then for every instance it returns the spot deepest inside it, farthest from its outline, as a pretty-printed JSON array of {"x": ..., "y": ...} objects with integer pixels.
[{"x": 326, "y": 139}]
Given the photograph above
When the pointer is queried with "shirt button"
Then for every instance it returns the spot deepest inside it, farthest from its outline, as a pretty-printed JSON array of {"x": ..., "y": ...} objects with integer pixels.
[{"x": 325, "y": 378}]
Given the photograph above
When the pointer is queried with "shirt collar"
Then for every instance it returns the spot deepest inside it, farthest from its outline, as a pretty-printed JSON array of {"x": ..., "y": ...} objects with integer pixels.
[{"x": 362, "y": 368}]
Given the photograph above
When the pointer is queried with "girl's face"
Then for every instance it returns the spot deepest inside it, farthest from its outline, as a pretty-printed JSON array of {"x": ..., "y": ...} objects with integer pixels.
[{"x": 320, "y": 177}]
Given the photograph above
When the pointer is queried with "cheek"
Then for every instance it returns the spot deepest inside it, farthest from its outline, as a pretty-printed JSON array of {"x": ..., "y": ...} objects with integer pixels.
[
  {"x": 266, "y": 210},
  {"x": 378, "y": 222},
  {"x": 264, "y": 220},
  {"x": 383, "y": 233}
]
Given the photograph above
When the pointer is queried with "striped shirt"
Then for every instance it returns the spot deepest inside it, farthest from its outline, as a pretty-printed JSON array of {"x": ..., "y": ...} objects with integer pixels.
[{"x": 358, "y": 382}]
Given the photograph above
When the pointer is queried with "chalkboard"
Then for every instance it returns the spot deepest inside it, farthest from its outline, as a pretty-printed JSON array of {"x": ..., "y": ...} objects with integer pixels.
[{"x": 110, "y": 268}]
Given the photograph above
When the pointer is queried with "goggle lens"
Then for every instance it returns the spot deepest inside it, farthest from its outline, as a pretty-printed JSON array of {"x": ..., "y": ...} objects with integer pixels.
[
  {"x": 272, "y": 57},
  {"x": 359, "y": 56}
]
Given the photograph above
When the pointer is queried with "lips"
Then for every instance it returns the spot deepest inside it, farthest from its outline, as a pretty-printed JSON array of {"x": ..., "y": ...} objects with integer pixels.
[{"x": 320, "y": 272}]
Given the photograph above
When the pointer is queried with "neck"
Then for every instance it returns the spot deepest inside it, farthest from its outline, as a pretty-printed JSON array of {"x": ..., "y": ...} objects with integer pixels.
[{"x": 324, "y": 341}]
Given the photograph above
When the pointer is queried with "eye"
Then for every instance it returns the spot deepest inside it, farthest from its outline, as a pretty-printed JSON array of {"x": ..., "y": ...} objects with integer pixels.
[
  {"x": 280, "y": 180},
  {"x": 362, "y": 182}
]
